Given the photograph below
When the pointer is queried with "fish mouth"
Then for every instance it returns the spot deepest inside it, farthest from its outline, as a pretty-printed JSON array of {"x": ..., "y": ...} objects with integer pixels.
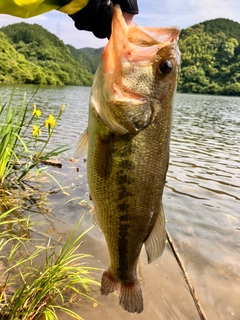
[
  {"x": 130, "y": 48},
  {"x": 141, "y": 36},
  {"x": 134, "y": 43}
]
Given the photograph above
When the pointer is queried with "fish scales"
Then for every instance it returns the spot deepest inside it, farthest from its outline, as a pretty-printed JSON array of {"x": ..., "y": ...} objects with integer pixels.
[
  {"x": 138, "y": 164},
  {"x": 129, "y": 126}
]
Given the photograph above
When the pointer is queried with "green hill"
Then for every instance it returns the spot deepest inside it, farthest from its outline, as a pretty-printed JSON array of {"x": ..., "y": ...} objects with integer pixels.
[
  {"x": 210, "y": 54},
  {"x": 88, "y": 57},
  {"x": 210, "y": 58},
  {"x": 229, "y": 27},
  {"x": 13, "y": 65},
  {"x": 42, "y": 52}
]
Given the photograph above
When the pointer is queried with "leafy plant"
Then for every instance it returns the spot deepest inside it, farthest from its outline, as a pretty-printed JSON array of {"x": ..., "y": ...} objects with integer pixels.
[
  {"x": 16, "y": 156},
  {"x": 9, "y": 134},
  {"x": 42, "y": 290}
]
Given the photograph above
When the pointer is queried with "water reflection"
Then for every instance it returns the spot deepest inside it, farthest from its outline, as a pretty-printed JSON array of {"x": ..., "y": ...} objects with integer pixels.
[
  {"x": 201, "y": 201},
  {"x": 204, "y": 186}
]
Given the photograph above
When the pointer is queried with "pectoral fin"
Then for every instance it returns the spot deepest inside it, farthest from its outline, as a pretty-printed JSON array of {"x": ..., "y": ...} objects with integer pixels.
[
  {"x": 94, "y": 219},
  {"x": 155, "y": 242},
  {"x": 82, "y": 145}
]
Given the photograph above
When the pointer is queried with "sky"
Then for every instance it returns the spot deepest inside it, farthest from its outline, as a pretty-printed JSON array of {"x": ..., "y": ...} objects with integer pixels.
[{"x": 156, "y": 13}]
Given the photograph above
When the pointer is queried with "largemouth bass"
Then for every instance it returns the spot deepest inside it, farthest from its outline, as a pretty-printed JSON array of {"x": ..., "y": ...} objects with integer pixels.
[{"x": 129, "y": 126}]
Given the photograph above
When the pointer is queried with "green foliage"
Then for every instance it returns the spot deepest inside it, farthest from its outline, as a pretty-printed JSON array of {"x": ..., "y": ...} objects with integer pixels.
[
  {"x": 32, "y": 33},
  {"x": 230, "y": 28},
  {"x": 14, "y": 67},
  {"x": 210, "y": 58},
  {"x": 88, "y": 57},
  {"x": 40, "y": 288},
  {"x": 10, "y": 137},
  {"x": 17, "y": 145},
  {"x": 31, "y": 54}
]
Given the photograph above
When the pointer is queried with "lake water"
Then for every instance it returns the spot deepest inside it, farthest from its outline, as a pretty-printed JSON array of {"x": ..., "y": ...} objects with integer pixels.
[{"x": 201, "y": 201}]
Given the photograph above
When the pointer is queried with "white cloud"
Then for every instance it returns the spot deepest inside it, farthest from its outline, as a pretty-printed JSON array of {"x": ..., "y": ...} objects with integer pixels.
[
  {"x": 215, "y": 9},
  {"x": 182, "y": 13},
  {"x": 62, "y": 26},
  {"x": 185, "y": 13},
  {"x": 6, "y": 19}
]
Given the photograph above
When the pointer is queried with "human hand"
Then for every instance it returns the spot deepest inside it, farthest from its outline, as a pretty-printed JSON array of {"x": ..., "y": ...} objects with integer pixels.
[{"x": 97, "y": 15}]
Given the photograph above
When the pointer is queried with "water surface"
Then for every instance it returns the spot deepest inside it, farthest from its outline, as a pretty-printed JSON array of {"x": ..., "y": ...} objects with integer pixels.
[{"x": 201, "y": 202}]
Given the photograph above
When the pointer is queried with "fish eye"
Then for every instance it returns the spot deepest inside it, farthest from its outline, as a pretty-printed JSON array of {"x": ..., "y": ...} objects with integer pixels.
[{"x": 165, "y": 66}]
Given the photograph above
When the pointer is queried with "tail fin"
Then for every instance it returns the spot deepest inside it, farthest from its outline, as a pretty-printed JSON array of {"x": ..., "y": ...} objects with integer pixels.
[{"x": 130, "y": 298}]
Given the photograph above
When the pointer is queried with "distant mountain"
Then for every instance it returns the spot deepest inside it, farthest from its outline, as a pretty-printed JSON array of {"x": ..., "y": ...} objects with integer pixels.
[
  {"x": 210, "y": 58},
  {"x": 13, "y": 65},
  {"x": 46, "y": 59},
  {"x": 229, "y": 27},
  {"x": 210, "y": 54},
  {"x": 88, "y": 57}
]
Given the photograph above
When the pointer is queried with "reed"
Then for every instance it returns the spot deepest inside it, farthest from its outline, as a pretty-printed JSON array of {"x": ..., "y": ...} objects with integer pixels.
[
  {"x": 41, "y": 289},
  {"x": 18, "y": 154}
]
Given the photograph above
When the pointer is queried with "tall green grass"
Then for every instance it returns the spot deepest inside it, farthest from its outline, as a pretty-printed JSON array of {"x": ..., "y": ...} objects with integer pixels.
[
  {"x": 41, "y": 289},
  {"x": 10, "y": 134},
  {"x": 17, "y": 155},
  {"x": 38, "y": 278}
]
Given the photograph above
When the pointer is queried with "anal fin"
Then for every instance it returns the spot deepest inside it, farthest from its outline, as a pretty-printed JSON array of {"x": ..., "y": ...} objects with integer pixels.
[{"x": 155, "y": 242}]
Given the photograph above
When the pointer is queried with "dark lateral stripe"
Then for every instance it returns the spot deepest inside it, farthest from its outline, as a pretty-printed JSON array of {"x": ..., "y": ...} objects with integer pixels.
[
  {"x": 126, "y": 164},
  {"x": 122, "y": 207},
  {"x": 123, "y": 245},
  {"x": 122, "y": 178}
]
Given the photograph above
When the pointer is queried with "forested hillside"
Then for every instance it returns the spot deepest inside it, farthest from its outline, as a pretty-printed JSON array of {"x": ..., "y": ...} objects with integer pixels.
[
  {"x": 210, "y": 58},
  {"x": 31, "y": 54},
  {"x": 88, "y": 57}
]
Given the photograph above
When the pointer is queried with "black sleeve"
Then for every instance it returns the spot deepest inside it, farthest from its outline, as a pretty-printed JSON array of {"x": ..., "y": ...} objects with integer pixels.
[
  {"x": 128, "y": 6},
  {"x": 97, "y": 15}
]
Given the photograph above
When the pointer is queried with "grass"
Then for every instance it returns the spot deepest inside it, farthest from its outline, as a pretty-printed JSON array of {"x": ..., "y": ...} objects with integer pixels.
[
  {"x": 41, "y": 289},
  {"x": 38, "y": 277},
  {"x": 10, "y": 131},
  {"x": 18, "y": 153}
]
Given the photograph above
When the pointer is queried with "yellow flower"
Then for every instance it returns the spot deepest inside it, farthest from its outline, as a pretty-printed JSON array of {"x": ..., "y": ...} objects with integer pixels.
[
  {"x": 63, "y": 107},
  {"x": 36, "y": 111},
  {"x": 50, "y": 122},
  {"x": 36, "y": 130}
]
